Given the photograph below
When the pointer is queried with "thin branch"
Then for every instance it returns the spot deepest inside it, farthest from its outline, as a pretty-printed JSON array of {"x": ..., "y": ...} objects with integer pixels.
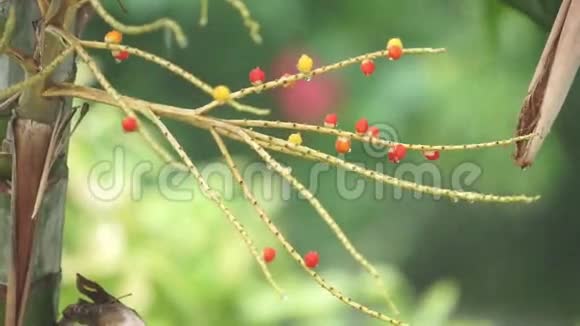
[
  {"x": 190, "y": 116},
  {"x": 163, "y": 63},
  {"x": 215, "y": 197},
  {"x": 372, "y": 140},
  {"x": 173, "y": 68},
  {"x": 249, "y": 108},
  {"x": 328, "y": 68},
  {"x": 101, "y": 96},
  {"x": 176, "y": 146},
  {"x": 284, "y": 173},
  {"x": 286, "y": 80},
  {"x": 325, "y": 215},
  {"x": 203, "y": 12},
  {"x": 250, "y": 23},
  {"x": 283, "y": 146},
  {"x": 111, "y": 91},
  {"x": 40, "y": 76},
  {"x": 265, "y": 218},
  {"x": 163, "y": 23}
]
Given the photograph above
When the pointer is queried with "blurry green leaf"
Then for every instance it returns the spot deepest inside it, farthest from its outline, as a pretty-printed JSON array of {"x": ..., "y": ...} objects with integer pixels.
[
  {"x": 542, "y": 12},
  {"x": 437, "y": 304}
]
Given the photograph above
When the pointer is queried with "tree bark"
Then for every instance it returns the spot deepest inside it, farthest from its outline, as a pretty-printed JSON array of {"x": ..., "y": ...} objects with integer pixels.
[{"x": 30, "y": 254}]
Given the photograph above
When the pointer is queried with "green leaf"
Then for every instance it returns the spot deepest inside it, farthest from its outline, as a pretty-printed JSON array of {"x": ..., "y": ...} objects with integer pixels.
[
  {"x": 542, "y": 12},
  {"x": 437, "y": 304}
]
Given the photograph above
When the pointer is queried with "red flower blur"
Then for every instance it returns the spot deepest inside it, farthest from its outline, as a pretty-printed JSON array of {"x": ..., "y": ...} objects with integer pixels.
[{"x": 306, "y": 101}]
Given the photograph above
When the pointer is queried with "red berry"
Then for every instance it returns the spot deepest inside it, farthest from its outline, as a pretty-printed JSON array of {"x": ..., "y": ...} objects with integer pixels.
[
  {"x": 129, "y": 124},
  {"x": 120, "y": 56},
  {"x": 395, "y": 52},
  {"x": 367, "y": 67},
  {"x": 361, "y": 126},
  {"x": 342, "y": 145},
  {"x": 269, "y": 254},
  {"x": 397, "y": 153},
  {"x": 257, "y": 76},
  {"x": 431, "y": 155},
  {"x": 311, "y": 259},
  {"x": 331, "y": 120},
  {"x": 374, "y": 132},
  {"x": 395, "y": 48}
]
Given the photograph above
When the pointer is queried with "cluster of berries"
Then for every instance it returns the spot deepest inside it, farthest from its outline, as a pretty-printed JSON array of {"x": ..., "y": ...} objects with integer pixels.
[
  {"x": 128, "y": 123},
  {"x": 116, "y": 37},
  {"x": 394, "y": 52},
  {"x": 304, "y": 65},
  {"x": 311, "y": 258},
  {"x": 396, "y": 153}
]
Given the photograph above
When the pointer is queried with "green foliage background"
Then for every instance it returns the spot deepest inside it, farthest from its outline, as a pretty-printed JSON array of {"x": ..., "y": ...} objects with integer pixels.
[{"x": 448, "y": 264}]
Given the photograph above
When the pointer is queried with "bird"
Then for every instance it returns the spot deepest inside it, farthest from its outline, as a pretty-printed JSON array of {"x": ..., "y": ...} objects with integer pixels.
[
  {"x": 104, "y": 310},
  {"x": 106, "y": 314}
]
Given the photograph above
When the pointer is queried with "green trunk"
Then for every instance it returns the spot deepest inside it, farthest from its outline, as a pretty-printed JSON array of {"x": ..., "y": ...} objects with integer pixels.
[{"x": 29, "y": 127}]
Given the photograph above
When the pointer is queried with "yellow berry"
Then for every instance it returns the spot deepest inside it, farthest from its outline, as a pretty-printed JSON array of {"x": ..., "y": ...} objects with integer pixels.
[
  {"x": 221, "y": 93},
  {"x": 114, "y": 37},
  {"x": 295, "y": 139},
  {"x": 395, "y": 42},
  {"x": 305, "y": 64}
]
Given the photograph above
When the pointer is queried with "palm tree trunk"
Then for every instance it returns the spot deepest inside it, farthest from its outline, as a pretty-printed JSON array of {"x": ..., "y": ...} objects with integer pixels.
[{"x": 30, "y": 249}]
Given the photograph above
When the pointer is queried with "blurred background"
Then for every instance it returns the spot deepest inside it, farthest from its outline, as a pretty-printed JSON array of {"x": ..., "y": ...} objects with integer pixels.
[{"x": 445, "y": 263}]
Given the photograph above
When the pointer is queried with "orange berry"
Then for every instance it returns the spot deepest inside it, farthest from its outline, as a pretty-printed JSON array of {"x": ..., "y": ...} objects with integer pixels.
[
  {"x": 342, "y": 145},
  {"x": 114, "y": 37},
  {"x": 395, "y": 53}
]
